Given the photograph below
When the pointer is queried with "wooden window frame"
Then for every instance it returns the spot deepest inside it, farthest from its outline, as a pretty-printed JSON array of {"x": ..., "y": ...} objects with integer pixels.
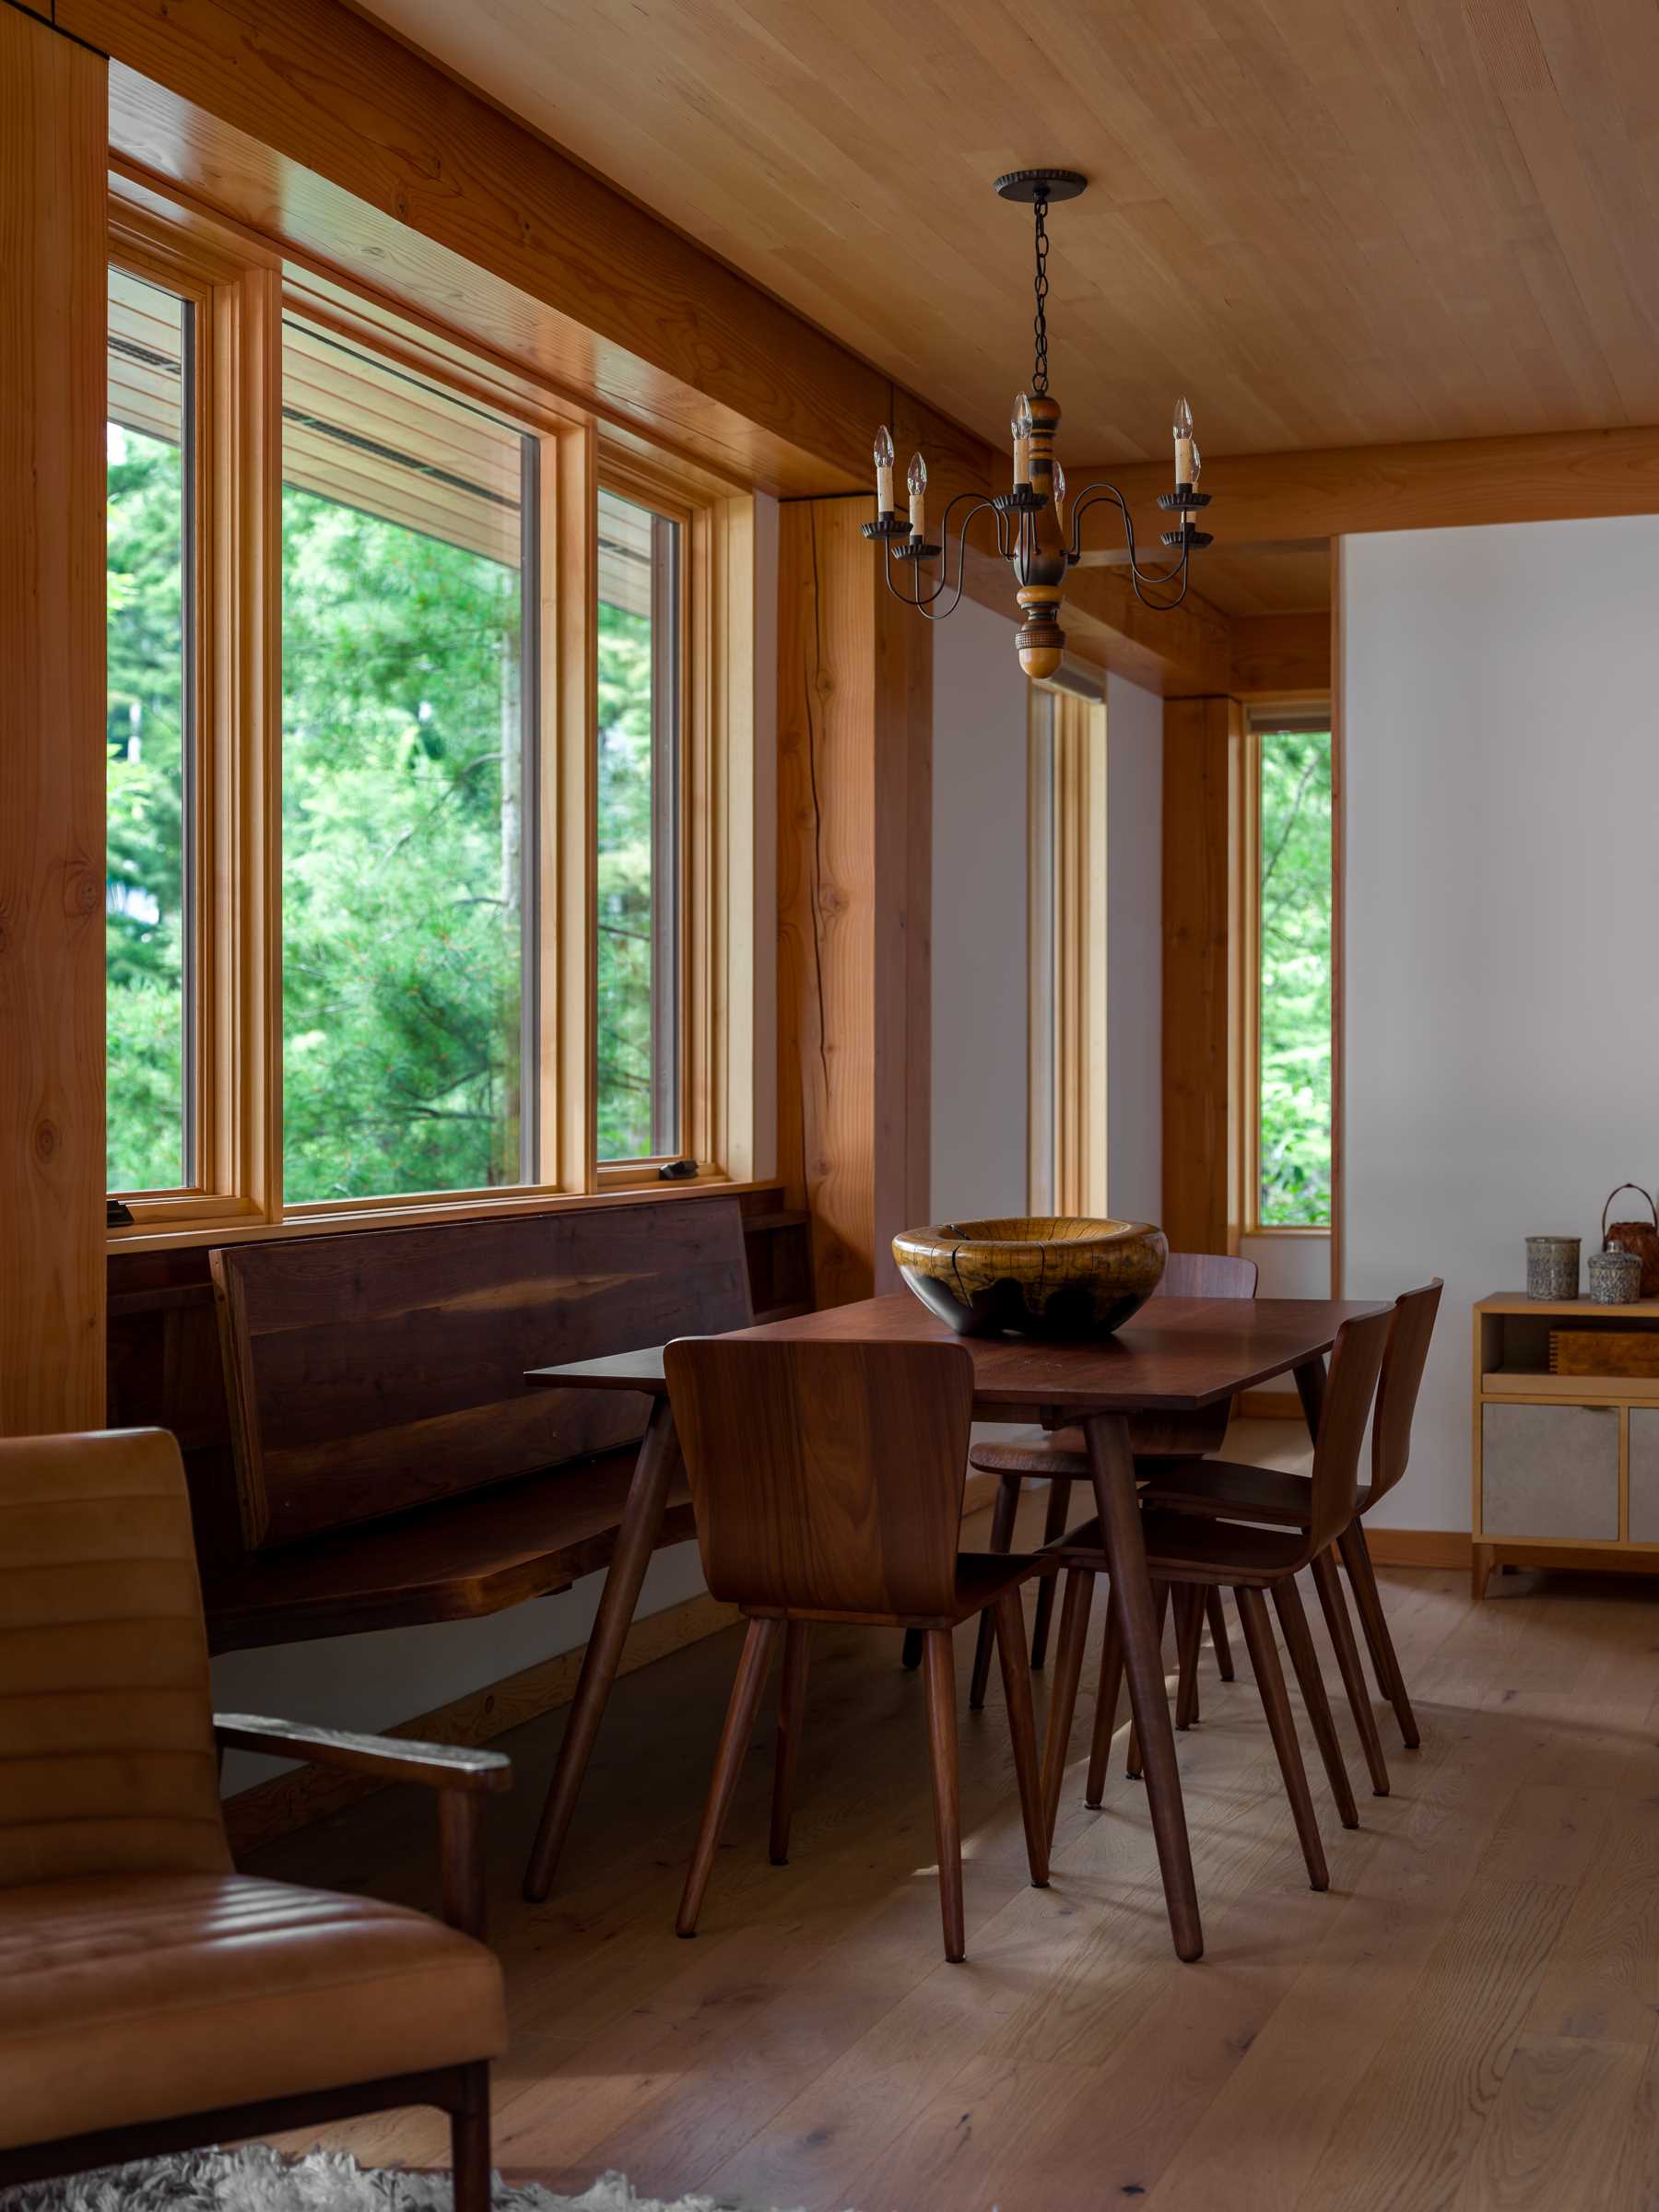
[
  {"x": 245, "y": 286},
  {"x": 1258, "y": 717},
  {"x": 236, "y": 300}
]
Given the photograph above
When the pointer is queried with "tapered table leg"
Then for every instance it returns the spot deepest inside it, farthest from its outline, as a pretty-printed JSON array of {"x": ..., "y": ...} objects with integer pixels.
[
  {"x": 1111, "y": 1464},
  {"x": 654, "y": 1475}
]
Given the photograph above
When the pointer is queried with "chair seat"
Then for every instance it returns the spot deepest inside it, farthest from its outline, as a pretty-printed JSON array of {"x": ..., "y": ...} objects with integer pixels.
[
  {"x": 1225, "y": 1487},
  {"x": 1185, "y": 1547},
  {"x": 130, "y": 1998}
]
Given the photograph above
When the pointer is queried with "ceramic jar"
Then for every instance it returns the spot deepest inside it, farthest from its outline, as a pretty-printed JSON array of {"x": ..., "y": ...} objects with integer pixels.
[
  {"x": 1615, "y": 1277},
  {"x": 1552, "y": 1267}
]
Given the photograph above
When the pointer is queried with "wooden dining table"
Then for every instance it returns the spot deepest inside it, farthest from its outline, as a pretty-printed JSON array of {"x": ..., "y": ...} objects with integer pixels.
[{"x": 1177, "y": 1355}]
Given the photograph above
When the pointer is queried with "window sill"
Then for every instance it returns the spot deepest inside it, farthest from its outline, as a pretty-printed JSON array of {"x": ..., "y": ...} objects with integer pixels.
[
  {"x": 1290, "y": 1229},
  {"x": 179, "y": 1236}
]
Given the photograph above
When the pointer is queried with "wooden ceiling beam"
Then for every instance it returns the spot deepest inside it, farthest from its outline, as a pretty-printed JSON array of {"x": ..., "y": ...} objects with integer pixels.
[
  {"x": 1263, "y": 499},
  {"x": 1283, "y": 654}
]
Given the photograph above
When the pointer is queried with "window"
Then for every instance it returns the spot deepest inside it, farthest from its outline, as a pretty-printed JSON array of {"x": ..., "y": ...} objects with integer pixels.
[
  {"x": 1067, "y": 940},
  {"x": 433, "y": 792},
  {"x": 641, "y": 626},
  {"x": 1289, "y": 829},
  {"x": 409, "y": 716},
  {"x": 149, "y": 713}
]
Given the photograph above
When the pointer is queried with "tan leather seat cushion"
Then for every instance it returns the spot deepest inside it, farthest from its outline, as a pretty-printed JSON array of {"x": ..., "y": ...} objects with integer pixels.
[{"x": 133, "y": 1997}]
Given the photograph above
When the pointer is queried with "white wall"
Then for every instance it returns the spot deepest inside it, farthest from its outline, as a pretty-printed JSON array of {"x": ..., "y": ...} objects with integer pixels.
[
  {"x": 1502, "y": 806},
  {"x": 1134, "y": 951},
  {"x": 371, "y": 1682},
  {"x": 980, "y": 973}
]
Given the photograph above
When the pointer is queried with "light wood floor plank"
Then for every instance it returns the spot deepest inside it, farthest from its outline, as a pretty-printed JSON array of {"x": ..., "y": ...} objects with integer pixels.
[{"x": 1465, "y": 2021}]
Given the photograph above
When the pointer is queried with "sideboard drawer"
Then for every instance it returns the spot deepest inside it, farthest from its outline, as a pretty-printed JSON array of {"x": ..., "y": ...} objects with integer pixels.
[
  {"x": 1550, "y": 1472},
  {"x": 1644, "y": 1474}
]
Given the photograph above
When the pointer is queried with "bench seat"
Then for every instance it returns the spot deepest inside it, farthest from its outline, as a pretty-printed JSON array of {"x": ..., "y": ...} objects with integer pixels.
[{"x": 472, "y": 1555}]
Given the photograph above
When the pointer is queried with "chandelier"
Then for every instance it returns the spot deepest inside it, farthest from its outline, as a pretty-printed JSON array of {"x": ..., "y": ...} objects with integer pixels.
[{"x": 1031, "y": 519}]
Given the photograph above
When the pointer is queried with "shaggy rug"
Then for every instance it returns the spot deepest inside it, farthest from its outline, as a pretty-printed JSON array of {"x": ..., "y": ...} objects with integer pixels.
[{"x": 261, "y": 2180}]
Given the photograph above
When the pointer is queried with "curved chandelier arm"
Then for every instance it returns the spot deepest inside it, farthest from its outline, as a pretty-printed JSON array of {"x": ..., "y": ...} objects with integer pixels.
[
  {"x": 1094, "y": 495},
  {"x": 924, "y": 606}
]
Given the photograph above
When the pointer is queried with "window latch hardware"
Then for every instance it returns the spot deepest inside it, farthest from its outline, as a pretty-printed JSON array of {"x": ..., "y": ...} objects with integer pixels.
[{"x": 677, "y": 1170}]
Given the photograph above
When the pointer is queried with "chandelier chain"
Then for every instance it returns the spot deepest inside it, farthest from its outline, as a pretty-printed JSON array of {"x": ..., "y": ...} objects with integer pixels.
[{"x": 1039, "y": 327}]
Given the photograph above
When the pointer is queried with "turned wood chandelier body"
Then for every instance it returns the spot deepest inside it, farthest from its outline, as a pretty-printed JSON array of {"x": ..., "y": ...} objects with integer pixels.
[{"x": 1034, "y": 532}]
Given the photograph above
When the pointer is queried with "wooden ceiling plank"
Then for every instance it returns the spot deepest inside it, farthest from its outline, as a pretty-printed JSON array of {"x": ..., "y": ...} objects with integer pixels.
[{"x": 1341, "y": 206}]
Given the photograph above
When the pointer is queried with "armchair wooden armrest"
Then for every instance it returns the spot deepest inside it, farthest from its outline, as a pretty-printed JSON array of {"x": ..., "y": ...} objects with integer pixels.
[
  {"x": 462, "y": 1777},
  {"x": 394, "y": 1758}
]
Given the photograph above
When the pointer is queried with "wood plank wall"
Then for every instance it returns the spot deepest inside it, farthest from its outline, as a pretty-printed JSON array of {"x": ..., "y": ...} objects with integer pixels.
[
  {"x": 52, "y": 242},
  {"x": 855, "y": 894}
]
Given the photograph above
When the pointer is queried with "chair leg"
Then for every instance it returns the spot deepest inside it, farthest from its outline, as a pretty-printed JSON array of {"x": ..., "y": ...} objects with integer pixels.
[
  {"x": 469, "y": 2140},
  {"x": 1328, "y": 1582},
  {"x": 752, "y": 1670},
  {"x": 1106, "y": 1704},
  {"x": 938, "y": 1661},
  {"x": 1189, "y": 1629},
  {"x": 1054, "y": 1528},
  {"x": 1270, "y": 1680},
  {"x": 1002, "y": 1540},
  {"x": 1022, "y": 1729},
  {"x": 792, "y": 1719},
  {"x": 1132, "y": 1758},
  {"x": 1298, "y": 1642},
  {"x": 1369, "y": 1598},
  {"x": 911, "y": 1653},
  {"x": 1216, "y": 1613},
  {"x": 1062, "y": 1697}
]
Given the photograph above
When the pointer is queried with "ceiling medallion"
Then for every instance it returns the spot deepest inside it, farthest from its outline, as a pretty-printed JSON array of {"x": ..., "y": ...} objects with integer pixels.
[{"x": 1031, "y": 533}]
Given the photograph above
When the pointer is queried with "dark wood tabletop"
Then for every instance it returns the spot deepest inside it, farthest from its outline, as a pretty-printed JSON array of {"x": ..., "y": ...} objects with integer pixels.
[{"x": 1176, "y": 1355}]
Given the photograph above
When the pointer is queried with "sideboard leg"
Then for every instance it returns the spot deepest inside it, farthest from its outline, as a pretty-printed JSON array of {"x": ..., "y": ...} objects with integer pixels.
[{"x": 1482, "y": 1559}]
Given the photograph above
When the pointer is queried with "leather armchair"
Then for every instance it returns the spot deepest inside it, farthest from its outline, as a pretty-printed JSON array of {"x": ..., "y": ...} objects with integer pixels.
[{"x": 151, "y": 1998}]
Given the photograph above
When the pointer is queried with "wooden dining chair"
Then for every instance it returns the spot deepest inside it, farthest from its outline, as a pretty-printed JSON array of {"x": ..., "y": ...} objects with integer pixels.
[
  {"x": 1060, "y": 1460},
  {"x": 1271, "y": 1494},
  {"x": 1190, "y": 1554},
  {"x": 827, "y": 1480}
]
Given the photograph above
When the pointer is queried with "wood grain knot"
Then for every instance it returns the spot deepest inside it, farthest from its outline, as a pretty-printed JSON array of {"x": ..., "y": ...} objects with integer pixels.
[{"x": 45, "y": 1142}]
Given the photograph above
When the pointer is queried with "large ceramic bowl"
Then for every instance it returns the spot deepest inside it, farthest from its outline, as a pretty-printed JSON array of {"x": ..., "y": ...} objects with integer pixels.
[{"x": 1035, "y": 1275}]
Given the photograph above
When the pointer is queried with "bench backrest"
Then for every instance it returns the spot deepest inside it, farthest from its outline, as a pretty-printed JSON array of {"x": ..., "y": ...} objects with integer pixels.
[{"x": 370, "y": 1373}]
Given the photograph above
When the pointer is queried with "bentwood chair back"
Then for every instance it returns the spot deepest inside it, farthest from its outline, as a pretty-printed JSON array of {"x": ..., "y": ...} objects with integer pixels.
[
  {"x": 826, "y": 1478},
  {"x": 1350, "y": 1390},
  {"x": 1206, "y": 1275},
  {"x": 1398, "y": 1385}
]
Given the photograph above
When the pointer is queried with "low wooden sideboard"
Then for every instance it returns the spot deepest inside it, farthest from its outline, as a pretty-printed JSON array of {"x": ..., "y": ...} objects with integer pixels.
[{"x": 1566, "y": 1466}]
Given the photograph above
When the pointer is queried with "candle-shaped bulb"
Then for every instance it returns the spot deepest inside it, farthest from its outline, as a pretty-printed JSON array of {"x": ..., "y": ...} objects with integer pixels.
[
  {"x": 915, "y": 479},
  {"x": 1019, "y": 426},
  {"x": 884, "y": 470},
  {"x": 1183, "y": 442}
]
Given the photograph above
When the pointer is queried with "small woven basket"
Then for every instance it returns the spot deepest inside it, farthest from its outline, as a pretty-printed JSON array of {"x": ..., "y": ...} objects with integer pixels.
[{"x": 1639, "y": 1237}]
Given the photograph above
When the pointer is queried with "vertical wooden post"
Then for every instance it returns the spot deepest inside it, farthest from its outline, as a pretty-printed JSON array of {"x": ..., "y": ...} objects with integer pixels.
[
  {"x": 1202, "y": 988},
  {"x": 855, "y": 893},
  {"x": 54, "y": 155}
]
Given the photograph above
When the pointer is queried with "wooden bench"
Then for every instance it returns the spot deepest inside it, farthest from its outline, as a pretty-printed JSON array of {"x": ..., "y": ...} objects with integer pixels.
[{"x": 391, "y": 1465}]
